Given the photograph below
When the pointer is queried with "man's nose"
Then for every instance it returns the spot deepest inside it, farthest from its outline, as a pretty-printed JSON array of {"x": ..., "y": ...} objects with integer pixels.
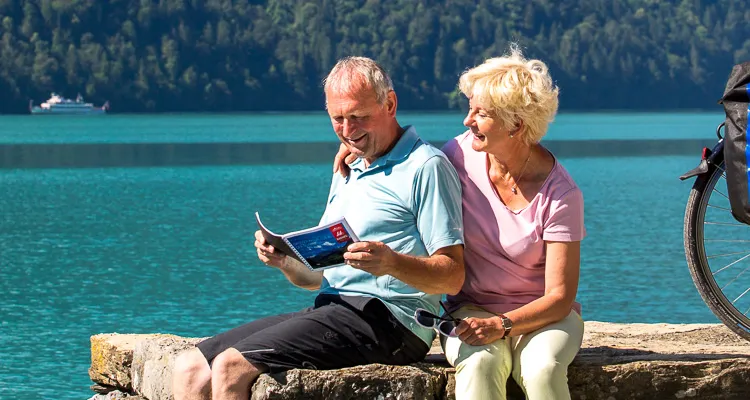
[{"x": 349, "y": 127}]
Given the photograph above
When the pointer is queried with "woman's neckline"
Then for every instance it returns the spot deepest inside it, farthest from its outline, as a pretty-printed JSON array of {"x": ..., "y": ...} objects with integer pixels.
[{"x": 488, "y": 181}]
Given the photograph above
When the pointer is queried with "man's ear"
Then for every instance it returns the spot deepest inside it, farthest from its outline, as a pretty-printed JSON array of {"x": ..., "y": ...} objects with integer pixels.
[{"x": 391, "y": 103}]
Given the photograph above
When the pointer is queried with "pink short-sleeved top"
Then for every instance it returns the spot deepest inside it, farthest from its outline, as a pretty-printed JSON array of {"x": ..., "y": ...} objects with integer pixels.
[{"x": 505, "y": 250}]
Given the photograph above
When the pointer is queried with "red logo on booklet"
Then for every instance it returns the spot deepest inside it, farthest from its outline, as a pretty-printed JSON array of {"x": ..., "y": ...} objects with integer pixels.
[{"x": 339, "y": 233}]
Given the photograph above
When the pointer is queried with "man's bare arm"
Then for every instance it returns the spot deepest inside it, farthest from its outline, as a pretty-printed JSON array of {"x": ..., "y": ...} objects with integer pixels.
[
  {"x": 442, "y": 272},
  {"x": 301, "y": 276}
]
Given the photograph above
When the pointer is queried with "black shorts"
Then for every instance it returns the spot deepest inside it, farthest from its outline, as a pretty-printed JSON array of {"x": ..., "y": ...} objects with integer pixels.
[{"x": 333, "y": 334}]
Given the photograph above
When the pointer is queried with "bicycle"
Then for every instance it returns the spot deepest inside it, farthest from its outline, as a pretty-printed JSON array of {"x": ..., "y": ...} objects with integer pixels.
[{"x": 718, "y": 262}]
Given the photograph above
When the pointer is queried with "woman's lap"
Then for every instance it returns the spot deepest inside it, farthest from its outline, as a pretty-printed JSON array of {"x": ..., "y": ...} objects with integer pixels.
[{"x": 554, "y": 345}]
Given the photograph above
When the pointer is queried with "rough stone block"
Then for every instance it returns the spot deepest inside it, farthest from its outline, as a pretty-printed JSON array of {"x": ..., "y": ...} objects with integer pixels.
[
  {"x": 153, "y": 361},
  {"x": 116, "y": 395},
  {"x": 111, "y": 357},
  {"x": 376, "y": 381},
  {"x": 617, "y": 361}
]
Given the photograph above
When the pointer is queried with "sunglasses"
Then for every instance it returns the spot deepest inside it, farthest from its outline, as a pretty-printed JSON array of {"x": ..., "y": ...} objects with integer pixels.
[{"x": 445, "y": 326}]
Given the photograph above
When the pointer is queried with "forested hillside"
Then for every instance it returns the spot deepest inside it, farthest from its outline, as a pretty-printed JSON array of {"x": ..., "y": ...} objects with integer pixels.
[{"x": 228, "y": 55}]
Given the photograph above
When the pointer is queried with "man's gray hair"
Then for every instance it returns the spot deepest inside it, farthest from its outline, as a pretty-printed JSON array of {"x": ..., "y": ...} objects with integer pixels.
[{"x": 350, "y": 74}]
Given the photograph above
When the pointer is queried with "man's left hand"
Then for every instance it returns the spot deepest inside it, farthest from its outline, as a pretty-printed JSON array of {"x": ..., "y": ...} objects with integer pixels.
[
  {"x": 480, "y": 331},
  {"x": 373, "y": 257}
]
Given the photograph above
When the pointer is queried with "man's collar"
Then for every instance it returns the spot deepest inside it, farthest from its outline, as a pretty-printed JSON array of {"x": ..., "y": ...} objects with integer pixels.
[
  {"x": 405, "y": 144},
  {"x": 400, "y": 151}
]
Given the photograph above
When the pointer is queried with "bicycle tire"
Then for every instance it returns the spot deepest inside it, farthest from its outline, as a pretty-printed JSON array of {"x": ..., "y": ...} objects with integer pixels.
[{"x": 698, "y": 264}]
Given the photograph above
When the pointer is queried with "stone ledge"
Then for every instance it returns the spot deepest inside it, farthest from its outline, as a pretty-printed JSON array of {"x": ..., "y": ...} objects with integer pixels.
[{"x": 617, "y": 361}]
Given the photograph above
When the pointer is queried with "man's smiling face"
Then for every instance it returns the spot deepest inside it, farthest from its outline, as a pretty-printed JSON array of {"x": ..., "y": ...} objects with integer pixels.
[{"x": 360, "y": 122}]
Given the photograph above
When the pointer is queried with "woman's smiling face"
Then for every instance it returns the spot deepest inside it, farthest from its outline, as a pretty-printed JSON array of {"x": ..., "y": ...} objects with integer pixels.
[{"x": 487, "y": 131}]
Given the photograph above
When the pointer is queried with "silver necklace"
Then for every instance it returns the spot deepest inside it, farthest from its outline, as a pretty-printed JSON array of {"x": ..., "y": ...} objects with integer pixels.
[{"x": 514, "y": 189}]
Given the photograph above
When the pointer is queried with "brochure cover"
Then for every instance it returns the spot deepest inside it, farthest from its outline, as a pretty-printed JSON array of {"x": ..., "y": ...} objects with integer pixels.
[{"x": 318, "y": 248}]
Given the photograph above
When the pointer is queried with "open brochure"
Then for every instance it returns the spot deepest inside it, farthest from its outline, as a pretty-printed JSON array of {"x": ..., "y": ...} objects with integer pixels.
[{"x": 318, "y": 248}]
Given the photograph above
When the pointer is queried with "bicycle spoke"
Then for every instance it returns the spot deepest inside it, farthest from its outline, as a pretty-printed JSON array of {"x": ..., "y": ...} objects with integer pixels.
[
  {"x": 732, "y": 281},
  {"x": 719, "y": 192},
  {"x": 720, "y": 208},
  {"x": 724, "y": 223},
  {"x": 724, "y": 255},
  {"x": 726, "y": 240},
  {"x": 740, "y": 296},
  {"x": 729, "y": 265}
]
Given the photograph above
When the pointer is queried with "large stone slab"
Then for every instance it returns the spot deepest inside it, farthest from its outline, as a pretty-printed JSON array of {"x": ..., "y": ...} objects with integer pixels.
[
  {"x": 417, "y": 382},
  {"x": 153, "y": 362},
  {"x": 111, "y": 358},
  {"x": 607, "y": 343},
  {"x": 711, "y": 379},
  {"x": 116, "y": 395},
  {"x": 660, "y": 361},
  {"x": 617, "y": 361}
]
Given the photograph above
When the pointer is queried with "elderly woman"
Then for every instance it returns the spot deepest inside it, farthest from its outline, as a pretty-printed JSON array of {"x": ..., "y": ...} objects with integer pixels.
[{"x": 523, "y": 224}]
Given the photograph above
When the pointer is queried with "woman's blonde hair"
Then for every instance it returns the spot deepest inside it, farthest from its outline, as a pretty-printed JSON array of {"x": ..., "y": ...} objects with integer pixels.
[{"x": 514, "y": 89}]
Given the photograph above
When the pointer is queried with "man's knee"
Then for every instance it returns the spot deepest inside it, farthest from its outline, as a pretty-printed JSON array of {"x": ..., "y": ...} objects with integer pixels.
[
  {"x": 232, "y": 368},
  {"x": 192, "y": 370}
]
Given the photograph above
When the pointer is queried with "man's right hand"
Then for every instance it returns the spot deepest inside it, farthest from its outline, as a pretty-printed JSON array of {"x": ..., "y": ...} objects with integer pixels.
[
  {"x": 342, "y": 160},
  {"x": 266, "y": 253},
  {"x": 296, "y": 272}
]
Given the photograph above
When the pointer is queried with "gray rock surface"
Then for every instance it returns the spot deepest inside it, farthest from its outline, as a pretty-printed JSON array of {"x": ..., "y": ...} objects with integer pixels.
[
  {"x": 617, "y": 361},
  {"x": 116, "y": 395},
  {"x": 111, "y": 358},
  {"x": 153, "y": 361},
  {"x": 420, "y": 381}
]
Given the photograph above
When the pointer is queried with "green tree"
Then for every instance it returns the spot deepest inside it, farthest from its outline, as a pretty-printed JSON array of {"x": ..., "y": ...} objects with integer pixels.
[{"x": 222, "y": 55}]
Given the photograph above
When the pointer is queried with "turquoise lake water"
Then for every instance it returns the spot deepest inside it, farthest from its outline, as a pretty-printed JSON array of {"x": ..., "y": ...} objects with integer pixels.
[
  {"x": 315, "y": 127},
  {"x": 169, "y": 249}
]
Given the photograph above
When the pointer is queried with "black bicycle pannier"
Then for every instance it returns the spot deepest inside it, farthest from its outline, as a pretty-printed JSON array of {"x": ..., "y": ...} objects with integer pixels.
[{"x": 736, "y": 150}]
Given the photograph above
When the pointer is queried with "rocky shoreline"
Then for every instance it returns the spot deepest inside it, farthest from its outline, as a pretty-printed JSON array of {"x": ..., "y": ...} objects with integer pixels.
[{"x": 617, "y": 361}]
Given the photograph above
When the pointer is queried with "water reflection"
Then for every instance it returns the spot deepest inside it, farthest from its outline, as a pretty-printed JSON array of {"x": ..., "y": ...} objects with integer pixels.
[{"x": 82, "y": 155}]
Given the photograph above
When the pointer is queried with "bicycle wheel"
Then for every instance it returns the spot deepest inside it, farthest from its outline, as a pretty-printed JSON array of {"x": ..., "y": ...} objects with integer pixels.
[{"x": 718, "y": 251}]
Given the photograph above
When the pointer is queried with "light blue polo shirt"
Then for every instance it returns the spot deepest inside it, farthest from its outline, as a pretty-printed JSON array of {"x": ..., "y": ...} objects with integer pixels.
[{"x": 409, "y": 199}]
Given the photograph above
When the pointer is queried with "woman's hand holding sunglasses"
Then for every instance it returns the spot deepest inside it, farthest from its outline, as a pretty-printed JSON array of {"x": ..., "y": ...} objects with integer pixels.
[
  {"x": 480, "y": 331},
  {"x": 445, "y": 325}
]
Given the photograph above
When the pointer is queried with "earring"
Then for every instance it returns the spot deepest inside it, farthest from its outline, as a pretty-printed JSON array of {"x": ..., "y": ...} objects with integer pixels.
[{"x": 510, "y": 136}]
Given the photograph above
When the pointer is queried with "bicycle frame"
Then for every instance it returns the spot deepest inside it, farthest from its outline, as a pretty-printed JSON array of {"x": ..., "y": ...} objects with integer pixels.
[{"x": 708, "y": 157}]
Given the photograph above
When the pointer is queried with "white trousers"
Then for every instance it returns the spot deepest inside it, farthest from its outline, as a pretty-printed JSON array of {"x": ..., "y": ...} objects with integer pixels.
[{"x": 538, "y": 361}]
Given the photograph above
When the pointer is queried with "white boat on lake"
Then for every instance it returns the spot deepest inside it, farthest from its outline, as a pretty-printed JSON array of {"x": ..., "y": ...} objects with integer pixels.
[{"x": 60, "y": 105}]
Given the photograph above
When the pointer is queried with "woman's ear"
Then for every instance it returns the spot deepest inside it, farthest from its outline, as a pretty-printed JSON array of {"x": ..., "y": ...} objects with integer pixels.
[{"x": 517, "y": 129}]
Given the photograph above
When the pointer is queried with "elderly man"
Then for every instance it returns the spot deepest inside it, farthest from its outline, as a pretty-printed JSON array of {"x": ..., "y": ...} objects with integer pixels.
[{"x": 403, "y": 200}]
